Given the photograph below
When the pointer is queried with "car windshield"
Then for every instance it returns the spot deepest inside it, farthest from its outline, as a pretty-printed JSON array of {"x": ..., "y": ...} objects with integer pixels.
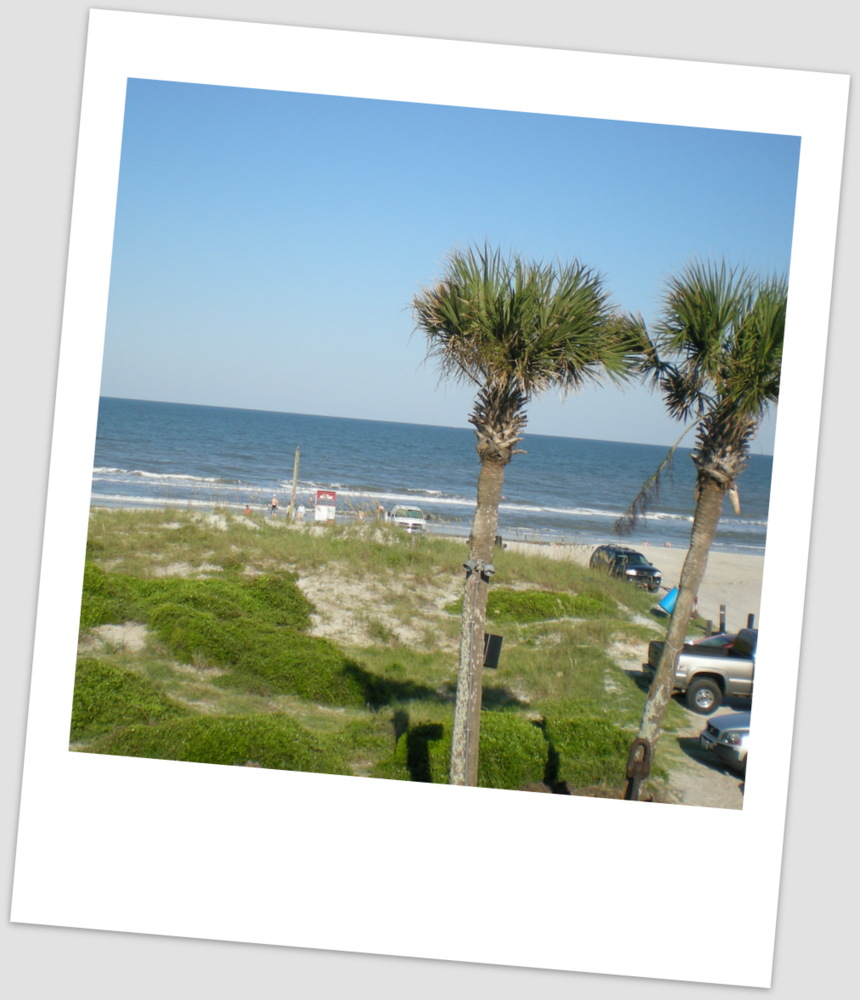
[
  {"x": 635, "y": 559},
  {"x": 412, "y": 512}
]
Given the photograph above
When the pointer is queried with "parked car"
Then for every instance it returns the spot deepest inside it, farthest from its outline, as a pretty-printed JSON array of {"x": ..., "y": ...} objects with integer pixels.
[
  {"x": 707, "y": 674},
  {"x": 627, "y": 564},
  {"x": 412, "y": 519},
  {"x": 727, "y": 737}
]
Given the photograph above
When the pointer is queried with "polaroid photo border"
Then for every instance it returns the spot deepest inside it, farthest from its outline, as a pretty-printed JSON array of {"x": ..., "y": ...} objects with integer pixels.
[{"x": 375, "y": 866}]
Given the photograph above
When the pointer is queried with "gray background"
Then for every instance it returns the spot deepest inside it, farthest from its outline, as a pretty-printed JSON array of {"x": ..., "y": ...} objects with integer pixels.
[{"x": 42, "y": 66}]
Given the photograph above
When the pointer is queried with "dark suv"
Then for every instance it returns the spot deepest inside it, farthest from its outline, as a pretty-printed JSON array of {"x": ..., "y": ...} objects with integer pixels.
[{"x": 617, "y": 560}]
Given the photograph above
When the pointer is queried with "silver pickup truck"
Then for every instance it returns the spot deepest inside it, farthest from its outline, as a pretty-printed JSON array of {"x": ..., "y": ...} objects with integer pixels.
[{"x": 711, "y": 669}]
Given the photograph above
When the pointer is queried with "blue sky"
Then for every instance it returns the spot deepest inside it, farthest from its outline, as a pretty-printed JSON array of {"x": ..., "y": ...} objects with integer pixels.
[{"x": 268, "y": 245}]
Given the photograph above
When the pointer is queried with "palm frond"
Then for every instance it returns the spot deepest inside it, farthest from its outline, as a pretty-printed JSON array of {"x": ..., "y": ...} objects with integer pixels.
[
  {"x": 536, "y": 326},
  {"x": 722, "y": 330},
  {"x": 648, "y": 492},
  {"x": 755, "y": 355}
]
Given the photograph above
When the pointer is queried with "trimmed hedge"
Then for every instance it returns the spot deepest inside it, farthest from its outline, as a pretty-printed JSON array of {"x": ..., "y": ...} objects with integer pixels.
[
  {"x": 106, "y": 697},
  {"x": 512, "y": 752},
  {"x": 258, "y": 740},
  {"x": 587, "y": 751}
]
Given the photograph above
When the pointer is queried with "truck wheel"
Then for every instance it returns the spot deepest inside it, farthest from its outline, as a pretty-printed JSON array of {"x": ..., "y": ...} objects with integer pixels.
[{"x": 704, "y": 696}]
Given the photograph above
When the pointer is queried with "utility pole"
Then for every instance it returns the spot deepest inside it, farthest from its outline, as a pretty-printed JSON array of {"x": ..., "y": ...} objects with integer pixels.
[{"x": 292, "y": 508}]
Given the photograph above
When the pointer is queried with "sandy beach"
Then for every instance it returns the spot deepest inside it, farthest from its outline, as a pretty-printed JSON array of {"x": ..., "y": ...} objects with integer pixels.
[{"x": 732, "y": 579}]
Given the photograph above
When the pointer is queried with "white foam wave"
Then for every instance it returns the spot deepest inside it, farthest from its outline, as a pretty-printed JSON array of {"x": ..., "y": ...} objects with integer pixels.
[{"x": 159, "y": 476}]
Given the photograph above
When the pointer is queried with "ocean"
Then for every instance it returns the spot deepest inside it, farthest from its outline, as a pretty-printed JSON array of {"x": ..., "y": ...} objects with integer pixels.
[{"x": 570, "y": 490}]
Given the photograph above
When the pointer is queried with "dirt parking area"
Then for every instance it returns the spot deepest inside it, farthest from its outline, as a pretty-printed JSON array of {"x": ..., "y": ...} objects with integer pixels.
[
  {"x": 697, "y": 778},
  {"x": 700, "y": 779}
]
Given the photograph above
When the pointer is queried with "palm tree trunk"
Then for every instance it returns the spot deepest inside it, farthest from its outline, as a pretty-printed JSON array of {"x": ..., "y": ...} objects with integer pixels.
[
  {"x": 705, "y": 521},
  {"x": 467, "y": 709}
]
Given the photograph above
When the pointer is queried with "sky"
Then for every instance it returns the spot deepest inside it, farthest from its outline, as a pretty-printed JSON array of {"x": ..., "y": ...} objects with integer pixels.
[{"x": 268, "y": 245}]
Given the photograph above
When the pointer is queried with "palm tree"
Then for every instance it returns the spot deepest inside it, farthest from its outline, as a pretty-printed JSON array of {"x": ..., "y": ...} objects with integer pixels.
[
  {"x": 722, "y": 332},
  {"x": 513, "y": 330}
]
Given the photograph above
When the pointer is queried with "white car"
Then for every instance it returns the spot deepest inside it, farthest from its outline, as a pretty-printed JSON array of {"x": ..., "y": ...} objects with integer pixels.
[
  {"x": 727, "y": 737},
  {"x": 410, "y": 518}
]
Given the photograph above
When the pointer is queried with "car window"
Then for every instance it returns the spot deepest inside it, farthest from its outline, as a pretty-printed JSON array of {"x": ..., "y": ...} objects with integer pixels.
[{"x": 716, "y": 640}]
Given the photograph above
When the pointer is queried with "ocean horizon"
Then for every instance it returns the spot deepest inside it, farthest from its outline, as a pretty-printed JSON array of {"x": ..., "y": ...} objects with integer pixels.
[{"x": 567, "y": 490}]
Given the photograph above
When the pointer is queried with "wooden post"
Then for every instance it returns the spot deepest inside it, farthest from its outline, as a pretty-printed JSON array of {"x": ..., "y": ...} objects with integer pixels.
[
  {"x": 750, "y": 621},
  {"x": 292, "y": 508}
]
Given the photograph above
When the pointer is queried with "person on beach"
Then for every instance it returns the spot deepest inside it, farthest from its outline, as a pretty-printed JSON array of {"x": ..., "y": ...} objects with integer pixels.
[
  {"x": 247, "y": 509},
  {"x": 273, "y": 506}
]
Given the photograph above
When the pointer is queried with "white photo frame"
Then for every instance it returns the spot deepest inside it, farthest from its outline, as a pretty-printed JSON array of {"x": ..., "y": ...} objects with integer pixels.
[{"x": 374, "y": 866}]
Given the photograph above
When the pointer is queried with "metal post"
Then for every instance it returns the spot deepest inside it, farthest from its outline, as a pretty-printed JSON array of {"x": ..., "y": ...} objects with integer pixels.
[
  {"x": 638, "y": 768},
  {"x": 292, "y": 510},
  {"x": 722, "y": 617}
]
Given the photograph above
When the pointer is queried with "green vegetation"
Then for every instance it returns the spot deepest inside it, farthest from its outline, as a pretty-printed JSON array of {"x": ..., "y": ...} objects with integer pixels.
[
  {"x": 107, "y": 697},
  {"x": 265, "y": 658},
  {"x": 257, "y": 741},
  {"x": 587, "y": 751},
  {"x": 512, "y": 752},
  {"x": 226, "y": 669},
  {"x": 541, "y": 605},
  {"x": 116, "y": 597}
]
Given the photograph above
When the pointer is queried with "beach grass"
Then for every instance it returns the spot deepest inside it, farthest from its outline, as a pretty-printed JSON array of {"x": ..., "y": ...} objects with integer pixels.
[{"x": 339, "y": 644}]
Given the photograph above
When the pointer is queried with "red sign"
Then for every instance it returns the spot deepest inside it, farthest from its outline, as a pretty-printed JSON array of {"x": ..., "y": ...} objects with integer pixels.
[{"x": 326, "y": 498}]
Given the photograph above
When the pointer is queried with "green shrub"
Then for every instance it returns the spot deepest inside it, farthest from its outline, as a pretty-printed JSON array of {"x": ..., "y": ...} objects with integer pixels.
[
  {"x": 264, "y": 740},
  {"x": 281, "y": 600},
  {"x": 593, "y": 605},
  {"x": 254, "y": 627},
  {"x": 270, "y": 659},
  {"x": 587, "y": 751},
  {"x": 106, "y": 697},
  {"x": 512, "y": 752},
  {"x": 364, "y": 740},
  {"x": 114, "y": 597},
  {"x": 261, "y": 657},
  {"x": 219, "y": 598},
  {"x": 107, "y": 599},
  {"x": 415, "y": 757},
  {"x": 189, "y": 633},
  {"x": 523, "y": 606},
  {"x": 273, "y": 599}
]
